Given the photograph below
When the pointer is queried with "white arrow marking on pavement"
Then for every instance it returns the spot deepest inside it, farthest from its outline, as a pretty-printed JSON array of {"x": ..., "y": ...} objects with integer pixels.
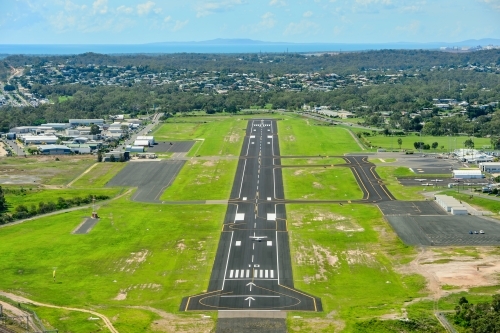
[
  {"x": 249, "y": 299},
  {"x": 251, "y": 284}
]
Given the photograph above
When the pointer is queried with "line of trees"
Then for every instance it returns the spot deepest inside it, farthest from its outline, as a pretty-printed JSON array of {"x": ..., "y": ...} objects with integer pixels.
[
  {"x": 23, "y": 211},
  {"x": 480, "y": 317}
]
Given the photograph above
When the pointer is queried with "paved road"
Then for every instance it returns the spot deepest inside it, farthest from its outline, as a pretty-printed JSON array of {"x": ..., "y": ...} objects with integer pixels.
[{"x": 250, "y": 273}]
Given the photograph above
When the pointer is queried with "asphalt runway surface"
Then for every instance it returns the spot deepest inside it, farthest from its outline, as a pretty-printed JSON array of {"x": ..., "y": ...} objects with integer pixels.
[
  {"x": 252, "y": 270},
  {"x": 150, "y": 178},
  {"x": 251, "y": 325},
  {"x": 86, "y": 226},
  {"x": 441, "y": 182},
  {"x": 175, "y": 147}
]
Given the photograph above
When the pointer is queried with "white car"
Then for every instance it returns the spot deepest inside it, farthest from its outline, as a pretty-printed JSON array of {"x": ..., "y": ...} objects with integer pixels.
[{"x": 481, "y": 231}]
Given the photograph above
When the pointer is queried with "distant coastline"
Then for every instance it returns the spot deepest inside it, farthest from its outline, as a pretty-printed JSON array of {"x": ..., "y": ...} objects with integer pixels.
[{"x": 230, "y": 46}]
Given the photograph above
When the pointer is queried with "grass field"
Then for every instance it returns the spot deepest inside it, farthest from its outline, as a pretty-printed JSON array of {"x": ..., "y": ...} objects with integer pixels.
[
  {"x": 302, "y": 137},
  {"x": 221, "y": 135},
  {"x": 99, "y": 175},
  {"x": 313, "y": 161},
  {"x": 345, "y": 255},
  {"x": 137, "y": 255},
  {"x": 455, "y": 142},
  {"x": 34, "y": 196},
  {"x": 400, "y": 192},
  {"x": 203, "y": 180},
  {"x": 320, "y": 183},
  {"x": 45, "y": 169}
]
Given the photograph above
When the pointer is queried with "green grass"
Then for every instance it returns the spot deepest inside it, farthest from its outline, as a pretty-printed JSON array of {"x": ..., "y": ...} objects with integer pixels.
[
  {"x": 217, "y": 134},
  {"x": 65, "y": 98},
  {"x": 99, "y": 176},
  {"x": 338, "y": 254},
  {"x": 34, "y": 196},
  {"x": 313, "y": 161},
  {"x": 320, "y": 183},
  {"x": 302, "y": 137},
  {"x": 456, "y": 142},
  {"x": 400, "y": 192},
  {"x": 179, "y": 243},
  {"x": 46, "y": 168},
  {"x": 203, "y": 180}
]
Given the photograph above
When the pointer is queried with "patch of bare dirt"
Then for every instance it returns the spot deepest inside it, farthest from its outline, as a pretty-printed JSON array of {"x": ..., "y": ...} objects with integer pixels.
[
  {"x": 180, "y": 245},
  {"x": 209, "y": 163},
  {"x": 317, "y": 256},
  {"x": 123, "y": 292},
  {"x": 298, "y": 172},
  {"x": 317, "y": 185},
  {"x": 331, "y": 323},
  {"x": 131, "y": 263},
  {"x": 446, "y": 267},
  {"x": 358, "y": 257},
  {"x": 170, "y": 323},
  {"x": 232, "y": 138}
]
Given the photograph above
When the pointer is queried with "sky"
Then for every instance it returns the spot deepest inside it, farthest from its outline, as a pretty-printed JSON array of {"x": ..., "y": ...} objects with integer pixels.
[{"x": 298, "y": 21}]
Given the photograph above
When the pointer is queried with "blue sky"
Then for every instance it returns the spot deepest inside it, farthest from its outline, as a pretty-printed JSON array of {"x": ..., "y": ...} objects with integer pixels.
[{"x": 328, "y": 21}]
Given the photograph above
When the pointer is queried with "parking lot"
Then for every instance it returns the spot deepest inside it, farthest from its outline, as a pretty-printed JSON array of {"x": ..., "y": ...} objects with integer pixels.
[{"x": 171, "y": 146}]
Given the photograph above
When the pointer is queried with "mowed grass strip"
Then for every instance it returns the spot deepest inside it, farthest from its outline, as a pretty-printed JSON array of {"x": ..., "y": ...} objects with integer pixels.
[
  {"x": 220, "y": 136},
  {"x": 99, "y": 175},
  {"x": 46, "y": 168},
  {"x": 203, "y": 180},
  {"x": 137, "y": 254},
  {"x": 305, "y": 137},
  {"x": 313, "y": 161},
  {"x": 406, "y": 193},
  {"x": 454, "y": 142},
  {"x": 346, "y": 256},
  {"x": 320, "y": 183}
]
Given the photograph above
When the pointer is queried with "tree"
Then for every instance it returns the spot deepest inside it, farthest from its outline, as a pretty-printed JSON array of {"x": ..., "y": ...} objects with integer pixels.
[
  {"x": 99, "y": 156},
  {"x": 94, "y": 129},
  {"x": 112, "y": 158},
  {"x": 418, "y": 144},
  {"x": 3, "y": 205},
  {"x": 9, "y": 87},
  {"x": 435, "y": 145},
  {"x": 400, "y": 142},
  {"x": 469, "y": 143}
]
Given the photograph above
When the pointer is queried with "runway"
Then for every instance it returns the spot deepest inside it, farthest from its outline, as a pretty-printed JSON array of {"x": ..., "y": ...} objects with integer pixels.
[{"x": 252, "y": 269}]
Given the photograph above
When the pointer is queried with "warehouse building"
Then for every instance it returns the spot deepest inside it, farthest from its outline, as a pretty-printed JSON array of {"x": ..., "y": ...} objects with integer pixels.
[
  {"x": 117, "y": 156},
  {"x": 135, "y": 149},
  {"x": 151, "y": 139},
  {"x": 451, "y": 205},
  {"x": 54, "y": 150},
  {"x": 39, "y": 139},
  {"x": 80, "y": 148},
  {"x": 85, "y": 122},
  {"x": 143, "y": 143},
  {"x": 490, "y": 167},
  {"x": 467, "y": 174}
]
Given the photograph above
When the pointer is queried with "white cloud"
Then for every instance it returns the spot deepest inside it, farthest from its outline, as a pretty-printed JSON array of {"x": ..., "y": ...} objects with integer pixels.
[
  {"x": 412, "y": 27},
  {"x": 70, "y": 6},
  {"x": 493, "y": 3},
  {"x": 207, "y": 8},
  {"x": 179, "y": 25},
  {"x": 280, "y": 3},
  {"x": 369, "y": 2},
  {"x": 301, "y": 27},
  {"x": 308, "y": 14},
  {"x": 124, "y": 10},
  {"x": 267, "y": 21},
  {"x": 167, "y": 18},
  {"x": 100, "y": 6},
  {"x": 145, "y": 8}
]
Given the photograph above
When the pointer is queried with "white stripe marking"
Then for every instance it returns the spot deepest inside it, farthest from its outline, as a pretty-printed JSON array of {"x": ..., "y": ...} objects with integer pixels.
[
  {"x": 272, "y": 274},
  {"x": 231, "y": 274},
  {"x": 237, "y": 274}
]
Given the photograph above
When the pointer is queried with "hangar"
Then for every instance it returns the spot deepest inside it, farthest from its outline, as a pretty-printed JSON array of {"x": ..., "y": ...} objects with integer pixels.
[
  {"x": 491, "y": 167},
  {"x": 467, "y": 174},
  {"x": 54, "y": 150}
]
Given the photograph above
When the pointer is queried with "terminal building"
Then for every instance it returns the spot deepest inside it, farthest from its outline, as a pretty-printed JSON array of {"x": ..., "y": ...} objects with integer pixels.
[{"x": 490, "y": 167}]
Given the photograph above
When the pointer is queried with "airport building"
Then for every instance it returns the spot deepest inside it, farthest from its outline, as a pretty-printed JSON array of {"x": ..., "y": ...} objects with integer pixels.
[
  {"x": 490, "y": 167},
  {"x": 450, "y": 205},
  {"x": 151, "y": 139},
  {"x": 467, "y": 174},
  {"x": 54, "y": 150}
]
